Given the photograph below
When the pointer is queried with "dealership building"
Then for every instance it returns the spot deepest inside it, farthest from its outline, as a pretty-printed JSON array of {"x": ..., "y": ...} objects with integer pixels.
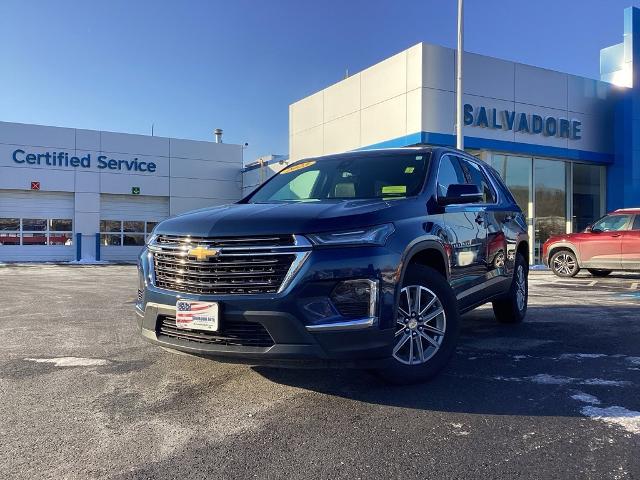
[
  {"x": 567, "y": 146},
  {"x": 69, "y": 194}
]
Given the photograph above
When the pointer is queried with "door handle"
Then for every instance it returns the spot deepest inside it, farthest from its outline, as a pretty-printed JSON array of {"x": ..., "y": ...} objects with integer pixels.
[{"x": 615, "y": 235}]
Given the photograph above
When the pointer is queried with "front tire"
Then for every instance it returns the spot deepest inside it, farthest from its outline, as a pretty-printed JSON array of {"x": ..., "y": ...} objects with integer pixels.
[
  {"x": 598, "y": 272},
  {"x": 564, "y": 264},
  {"x": 513, "y": 308},
  {"x": 427, "y": 327}
]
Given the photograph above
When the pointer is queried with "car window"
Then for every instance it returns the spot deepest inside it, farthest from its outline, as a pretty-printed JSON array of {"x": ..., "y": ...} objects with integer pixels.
[
  {"x": 449, "y": 173},
  {"x": 475, "y": 176},
  {"x": 612, "y": 223},
  {"x": 636, "y": 223},
  {"x": 299, "y": 187}
]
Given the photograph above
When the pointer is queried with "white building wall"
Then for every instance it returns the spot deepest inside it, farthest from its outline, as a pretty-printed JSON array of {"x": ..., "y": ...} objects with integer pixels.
[
  {"x": 414, "y": 92},
  {"x": 190, "y": 174}
]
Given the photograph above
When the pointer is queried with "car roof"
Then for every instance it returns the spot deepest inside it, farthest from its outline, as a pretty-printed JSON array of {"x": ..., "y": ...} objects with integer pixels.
[{"x": 632, "y": 210}]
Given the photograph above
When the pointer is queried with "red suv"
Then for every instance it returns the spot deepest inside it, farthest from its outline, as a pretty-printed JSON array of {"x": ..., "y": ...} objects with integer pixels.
[{"x": 611, "y": 243}]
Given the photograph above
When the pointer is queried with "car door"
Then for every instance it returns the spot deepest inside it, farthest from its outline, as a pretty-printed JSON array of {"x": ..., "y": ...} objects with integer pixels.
[
  {"x": 631, "y": 246},
  {"x": 601, "y": 247},
  {"x": 465, "y": 232}
]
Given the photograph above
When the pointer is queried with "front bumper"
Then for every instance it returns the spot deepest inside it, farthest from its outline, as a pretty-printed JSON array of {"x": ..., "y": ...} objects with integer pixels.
[{"x": 298, "y": 337}]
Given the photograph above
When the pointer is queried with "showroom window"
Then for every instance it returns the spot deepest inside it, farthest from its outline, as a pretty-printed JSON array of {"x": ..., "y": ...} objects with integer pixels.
[
  {"x": 128, "y": 233},
  {"x": 36, "y": 231}
]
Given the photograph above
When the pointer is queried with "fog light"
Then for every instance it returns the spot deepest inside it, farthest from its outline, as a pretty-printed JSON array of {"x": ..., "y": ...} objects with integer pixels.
[{"x": 356, "y": 298}]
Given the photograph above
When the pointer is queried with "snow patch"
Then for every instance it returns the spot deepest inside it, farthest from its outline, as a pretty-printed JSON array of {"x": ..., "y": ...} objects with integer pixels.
[
  {"x": 620, "y": 416},
  {"x": 586, "y": 398},
  {"x": 88, "y": 262},
  {"x": 546, "y": 379},
  {"x": 633, "y": 360},
  {"x": 567, "y": 356},
  {"x": 71, "y": 361},
  {"x": 603, "y": 382}
]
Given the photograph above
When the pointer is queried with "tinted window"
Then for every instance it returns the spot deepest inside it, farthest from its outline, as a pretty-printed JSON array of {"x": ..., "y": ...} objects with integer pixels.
[
  {"x": 474, "y": 175},
  {"x": 636, "y": 223},
  {"x": 369, "y": 176},
  {"x": 612, "y": 223},
  {"x": 449, "y": 173}
]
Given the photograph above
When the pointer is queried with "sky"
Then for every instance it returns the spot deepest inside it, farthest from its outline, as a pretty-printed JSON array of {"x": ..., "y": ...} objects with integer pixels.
[{"x": 188, "y": 67}]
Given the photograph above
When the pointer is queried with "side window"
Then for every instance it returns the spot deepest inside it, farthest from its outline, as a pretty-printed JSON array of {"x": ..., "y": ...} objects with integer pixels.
[
  {"x": 449, "y": 173},
  {"x": 636, "y": 223},
  {"x": 612, "y": 223},
  {"x": 474, "y": 175}
]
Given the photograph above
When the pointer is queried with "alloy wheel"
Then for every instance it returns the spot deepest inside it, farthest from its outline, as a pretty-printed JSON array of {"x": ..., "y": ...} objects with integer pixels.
[
  {"x": 564, "y": 263},
  {"x": 420, "y": 325}
]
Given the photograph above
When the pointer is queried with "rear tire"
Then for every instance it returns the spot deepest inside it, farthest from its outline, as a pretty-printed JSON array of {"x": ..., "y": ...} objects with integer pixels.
[
  {"x": 598, "y": 272},
  {"x": 513, "y": 308},
  {"x": 564, "y": 264},
  {"x": 426, "y": 329}
]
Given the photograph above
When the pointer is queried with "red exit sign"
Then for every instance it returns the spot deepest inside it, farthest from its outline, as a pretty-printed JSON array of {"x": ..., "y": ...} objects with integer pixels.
[{"x": 35, "y": 185}]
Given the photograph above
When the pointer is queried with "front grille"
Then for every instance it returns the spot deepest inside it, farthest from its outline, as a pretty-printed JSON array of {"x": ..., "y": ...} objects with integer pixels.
[
  {"x": 244, "y": 265},
  {"x": 232, "y": 333}
]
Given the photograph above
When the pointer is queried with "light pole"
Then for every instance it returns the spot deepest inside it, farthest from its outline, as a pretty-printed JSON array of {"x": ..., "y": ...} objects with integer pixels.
[{"x": 459, "y": 116}]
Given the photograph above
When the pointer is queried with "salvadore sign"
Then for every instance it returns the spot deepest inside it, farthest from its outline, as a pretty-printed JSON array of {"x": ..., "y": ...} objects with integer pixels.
[
  {"x": 522, "y": 122},
  {"x": 89, "y": 160}
]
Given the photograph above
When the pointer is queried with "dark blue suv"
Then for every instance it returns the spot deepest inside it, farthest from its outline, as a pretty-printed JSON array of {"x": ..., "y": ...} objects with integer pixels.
[{"x": 360, "y": 259}]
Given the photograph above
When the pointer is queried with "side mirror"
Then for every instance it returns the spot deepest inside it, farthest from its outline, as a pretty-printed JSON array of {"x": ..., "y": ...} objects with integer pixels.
[
  {"x": 594, "y": 230},
  {"x": 460, "y": 193}
]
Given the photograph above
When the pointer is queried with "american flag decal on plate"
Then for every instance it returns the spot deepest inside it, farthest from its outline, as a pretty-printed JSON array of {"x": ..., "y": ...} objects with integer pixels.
[{"x": 195, "y": 315}]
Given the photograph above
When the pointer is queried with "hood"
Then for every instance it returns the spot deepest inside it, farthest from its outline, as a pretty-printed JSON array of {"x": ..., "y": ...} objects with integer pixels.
[{"x": 286, "y": 218}]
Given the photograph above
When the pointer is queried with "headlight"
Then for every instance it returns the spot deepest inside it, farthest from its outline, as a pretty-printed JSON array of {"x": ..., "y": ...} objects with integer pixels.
[{"x": 377, "y": 235}]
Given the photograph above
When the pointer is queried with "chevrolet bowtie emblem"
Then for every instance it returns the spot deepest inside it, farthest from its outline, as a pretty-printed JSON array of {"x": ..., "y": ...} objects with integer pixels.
[{"x": 203, "y": 253}]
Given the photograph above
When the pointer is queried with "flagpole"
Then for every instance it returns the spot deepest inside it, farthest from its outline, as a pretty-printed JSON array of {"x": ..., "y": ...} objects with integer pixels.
[{"x": 459, "y": 113}]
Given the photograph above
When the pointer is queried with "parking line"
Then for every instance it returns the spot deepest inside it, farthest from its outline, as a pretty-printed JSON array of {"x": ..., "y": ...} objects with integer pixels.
[
  {"x": 592, "y": 283},
  {"x": 634, "y": 286}
]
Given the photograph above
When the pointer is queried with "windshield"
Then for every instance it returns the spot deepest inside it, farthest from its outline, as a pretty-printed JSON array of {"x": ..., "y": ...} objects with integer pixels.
[{"x": 384, "y": 176}]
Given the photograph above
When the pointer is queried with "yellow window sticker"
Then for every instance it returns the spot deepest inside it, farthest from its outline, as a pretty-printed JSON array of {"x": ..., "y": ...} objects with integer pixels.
[
  {"x": 394, "y": 189},
  {"x": 298, "y": 166},
  {"x": 409, "y": 169}
]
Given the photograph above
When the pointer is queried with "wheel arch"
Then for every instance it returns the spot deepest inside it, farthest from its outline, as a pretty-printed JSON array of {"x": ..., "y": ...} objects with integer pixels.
[
  {"x": 559, "y": 246},
  {"x": 429, "y": 253}
]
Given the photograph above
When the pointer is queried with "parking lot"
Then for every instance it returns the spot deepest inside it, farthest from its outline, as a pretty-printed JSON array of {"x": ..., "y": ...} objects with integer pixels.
[{"x": 81, "y": 396}]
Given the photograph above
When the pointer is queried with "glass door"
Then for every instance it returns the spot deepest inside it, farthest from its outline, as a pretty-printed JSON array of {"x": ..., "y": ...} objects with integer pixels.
[
  {"x": 517, "y": 174},
  {"x": 550, "y": 200}
]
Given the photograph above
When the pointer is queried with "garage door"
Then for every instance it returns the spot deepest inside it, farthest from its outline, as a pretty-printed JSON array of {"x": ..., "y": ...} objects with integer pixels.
[
  {"x": 126, "y": 221},
  {"x": 36, "y": 226}
]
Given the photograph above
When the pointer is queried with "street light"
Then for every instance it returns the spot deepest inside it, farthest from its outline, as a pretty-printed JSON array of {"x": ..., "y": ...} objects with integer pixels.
[{"x": 459, "y": 119}]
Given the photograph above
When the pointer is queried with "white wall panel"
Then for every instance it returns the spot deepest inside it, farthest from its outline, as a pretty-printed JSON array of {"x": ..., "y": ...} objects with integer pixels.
[
  {"x": 307, "y": 144},
  {"x": 122, "y": 184},
  {"x": 136, "y": 144},
  {"x": 342, "y": 98},
  {"x": 307, "y": 113},
  {"x": 342, "y": 134},
  {"x": 414, "y": 67},
  {"x": 87, "y": 139},
  {"x": 187, "y": 168},
  {"x": 195, "y": 149},
  {"x": 50, "y": 180},
  {"x": 488, "y": 77},
  {"x": 438, "y": 111},
  {"x": 414, "y": 110},
  {"x": 586, "y": 95},
  {"x": 384, "y": 80},
  {"x": 538, "y": 86},
  {"x": 87, "y": 182},
  {"x": 39, "y": 135},
  {"x": 438, "y": 68},
  {"x": 190, "y": 187},
  {"x": 384, "y": 121}
]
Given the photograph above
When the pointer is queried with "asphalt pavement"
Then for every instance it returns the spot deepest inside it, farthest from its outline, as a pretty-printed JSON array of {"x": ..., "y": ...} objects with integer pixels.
[{"x": 81, "y": 396}]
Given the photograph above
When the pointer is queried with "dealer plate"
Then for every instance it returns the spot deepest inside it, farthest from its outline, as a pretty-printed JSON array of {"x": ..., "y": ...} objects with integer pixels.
[{"x": 195, "y": 315}]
